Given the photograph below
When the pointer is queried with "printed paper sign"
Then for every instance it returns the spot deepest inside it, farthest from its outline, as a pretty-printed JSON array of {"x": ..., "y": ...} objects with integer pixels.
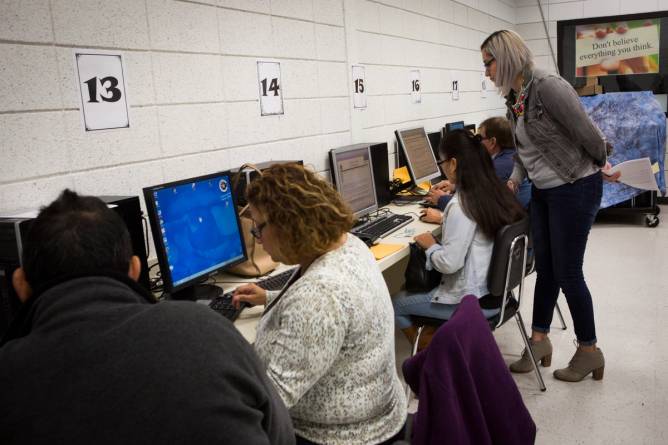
[
  {"x": 455, "y": 85},
  {"x": 617, "y": 48},
  {"x": 102, "y": 89},
  {"x": 359, "y": 88},
  {"x": 270, "y": 87},
  {"x": 416, "y": 94}
]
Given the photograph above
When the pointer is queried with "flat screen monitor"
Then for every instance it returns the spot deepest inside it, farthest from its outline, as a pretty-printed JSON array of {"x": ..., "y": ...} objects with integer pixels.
[
  {"x": 458, "y": 125},
  {"x": 196, "y": 232},
  {"x": 352, "y": 174},
  {"x": 621, "y": 53},
  {"x": 435, "y": 141},
  {"x": 420, "y": 158}
]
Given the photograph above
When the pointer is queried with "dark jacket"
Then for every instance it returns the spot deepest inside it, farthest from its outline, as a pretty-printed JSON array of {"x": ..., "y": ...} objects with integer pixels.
[
  {"x": 466, "y": 393},
  {"x": 101, "y": 365},
  {"x": 558, "y": 127}
]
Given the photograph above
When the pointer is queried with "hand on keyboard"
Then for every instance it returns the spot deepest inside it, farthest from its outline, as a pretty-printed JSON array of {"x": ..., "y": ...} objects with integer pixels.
[{"x": 249, "y": 293}]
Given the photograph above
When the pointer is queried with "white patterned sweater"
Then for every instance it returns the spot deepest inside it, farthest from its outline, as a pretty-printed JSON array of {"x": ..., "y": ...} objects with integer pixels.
[{"x": 328, "y": 345}]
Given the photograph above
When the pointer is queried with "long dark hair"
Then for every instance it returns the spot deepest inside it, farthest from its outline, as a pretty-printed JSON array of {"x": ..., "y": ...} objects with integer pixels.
[{"x": 483, "y": 197}]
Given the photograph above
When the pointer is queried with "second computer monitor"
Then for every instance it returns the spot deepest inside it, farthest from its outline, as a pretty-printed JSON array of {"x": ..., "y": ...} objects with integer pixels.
[
  {"x": 196, "y": 231},
  {"x": 420, "y": 157},
  {"x": 352, "y": 174}
]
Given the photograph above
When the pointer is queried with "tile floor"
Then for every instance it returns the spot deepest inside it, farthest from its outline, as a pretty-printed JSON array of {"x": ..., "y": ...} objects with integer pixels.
[{"x": 626, "y": 268}]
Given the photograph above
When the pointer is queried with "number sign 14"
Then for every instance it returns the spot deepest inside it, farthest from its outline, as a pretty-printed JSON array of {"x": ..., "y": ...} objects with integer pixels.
[{"x": 270, "y": 87}]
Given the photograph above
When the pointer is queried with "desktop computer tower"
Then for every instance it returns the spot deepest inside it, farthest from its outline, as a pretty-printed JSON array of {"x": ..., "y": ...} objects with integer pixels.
[
  {"x": 13, "y": 232},
  {"x": 129, "y": 209},
  {"x": 248, "y": 175},
  {"x": 381, "y": 172}
]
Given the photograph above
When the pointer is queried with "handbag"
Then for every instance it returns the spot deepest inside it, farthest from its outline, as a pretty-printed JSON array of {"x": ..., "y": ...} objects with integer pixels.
[
  {"x": 259, "y": 261},
  {"x": 418, "y": 278}
]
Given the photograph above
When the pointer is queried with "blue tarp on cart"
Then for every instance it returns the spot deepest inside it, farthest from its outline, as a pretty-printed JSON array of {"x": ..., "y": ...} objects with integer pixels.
[{"x": 635, "y": 125}]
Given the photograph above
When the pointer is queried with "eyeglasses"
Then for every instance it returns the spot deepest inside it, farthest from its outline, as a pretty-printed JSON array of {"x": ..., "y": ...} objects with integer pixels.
[
  {"x": 256, "y": 231},
  {"x": 487, "y": 63}
]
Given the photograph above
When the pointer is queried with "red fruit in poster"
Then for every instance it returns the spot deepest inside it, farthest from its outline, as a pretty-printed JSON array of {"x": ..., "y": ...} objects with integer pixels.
[
  {"x": 622, "y": 28},
  {"x": 600, "y": 33}
]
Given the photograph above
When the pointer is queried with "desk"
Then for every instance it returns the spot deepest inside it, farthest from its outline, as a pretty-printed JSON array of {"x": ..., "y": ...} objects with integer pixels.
[{"x": 391, "y": 266}]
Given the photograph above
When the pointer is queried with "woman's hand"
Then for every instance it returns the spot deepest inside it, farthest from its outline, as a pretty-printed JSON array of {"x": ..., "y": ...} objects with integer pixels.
[
  {"x": 249, "y": 293},
  {"x": 431, "y": 216},
  {"x": 425, "y": 240},
  {"x": 513, "y": 186},
  {"x": 610, "y": 178},
  {"x": 444, "y": 185}
]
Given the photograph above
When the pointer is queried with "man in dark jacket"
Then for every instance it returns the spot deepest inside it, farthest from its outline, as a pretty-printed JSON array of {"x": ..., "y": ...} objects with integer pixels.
[{"x": 92, "y": 360}]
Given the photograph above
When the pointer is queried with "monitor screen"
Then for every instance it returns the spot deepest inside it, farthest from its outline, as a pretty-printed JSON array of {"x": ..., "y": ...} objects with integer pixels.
[
  {"x": 458, "y": 125},
  {"x": 420, "y": 157},
  {"x": 621, "y": 53},
  {"x": 196, "y": 229},
  {"x": 352, "y": 173}
]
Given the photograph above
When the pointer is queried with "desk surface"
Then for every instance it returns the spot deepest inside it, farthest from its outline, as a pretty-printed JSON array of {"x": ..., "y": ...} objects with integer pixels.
[{"x": 248, "y": 319}]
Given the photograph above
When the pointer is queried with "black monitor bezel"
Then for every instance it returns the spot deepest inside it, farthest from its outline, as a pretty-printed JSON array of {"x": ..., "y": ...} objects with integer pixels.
[
  {"x": 165, "y": 273},
  {"x": 336, "y": 180},
  {"x": 409, "y": 164}
]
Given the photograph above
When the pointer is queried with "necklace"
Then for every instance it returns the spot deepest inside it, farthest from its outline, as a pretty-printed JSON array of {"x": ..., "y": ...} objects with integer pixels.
[{"x": 518, "y": 106}]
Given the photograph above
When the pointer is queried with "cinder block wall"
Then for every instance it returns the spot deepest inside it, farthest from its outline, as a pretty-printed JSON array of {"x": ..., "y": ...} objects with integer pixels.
[{"x": 192, "y": 84}]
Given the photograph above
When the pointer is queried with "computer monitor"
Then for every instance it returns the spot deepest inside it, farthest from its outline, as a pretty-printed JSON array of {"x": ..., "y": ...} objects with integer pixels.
[
  {"x": 420, "y": 158},
  {"x": 458, "y": 125},
  {"x": 435, "y": 141},
  {"x": 196, "y": 232},
  {"x": 352, "y": 174}
]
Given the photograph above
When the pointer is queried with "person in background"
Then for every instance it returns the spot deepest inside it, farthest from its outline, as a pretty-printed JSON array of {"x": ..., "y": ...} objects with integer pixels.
[
  {"x": 91, "y": 359},
  {"x": 498, "y": 141},
  {"x": 327, "y": 338},
  {"x": 562, "y": 152},
  {"x": 480, "y": 206}
]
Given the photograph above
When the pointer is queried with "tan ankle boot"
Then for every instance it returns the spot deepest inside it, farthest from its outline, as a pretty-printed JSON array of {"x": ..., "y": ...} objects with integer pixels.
[
  {"x": 542, "y": 351},
  {"x": 582, "y": 363}
]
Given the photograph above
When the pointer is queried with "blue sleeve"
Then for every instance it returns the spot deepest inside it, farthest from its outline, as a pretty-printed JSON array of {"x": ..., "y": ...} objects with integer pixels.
[
  {"x": 443, "y": 201},
  {"x": 503, "y": 164}
]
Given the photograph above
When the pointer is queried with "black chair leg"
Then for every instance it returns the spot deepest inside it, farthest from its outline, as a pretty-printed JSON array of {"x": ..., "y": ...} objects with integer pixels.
[
  {"x": 561, "y": 317},
  {"x": 523, "y": 332}
]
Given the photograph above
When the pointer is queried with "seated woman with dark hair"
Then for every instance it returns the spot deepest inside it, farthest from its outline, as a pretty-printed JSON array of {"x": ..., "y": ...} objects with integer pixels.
[
  {"x": 480, "y": 206},
  {"x": 497, "y": 138},
  {"x": 328, "y": 338}
]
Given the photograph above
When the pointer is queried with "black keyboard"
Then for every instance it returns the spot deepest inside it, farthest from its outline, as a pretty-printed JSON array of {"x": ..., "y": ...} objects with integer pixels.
[
  {"x": 223, "y": 303},
  {"x": 383, "y": 225}
]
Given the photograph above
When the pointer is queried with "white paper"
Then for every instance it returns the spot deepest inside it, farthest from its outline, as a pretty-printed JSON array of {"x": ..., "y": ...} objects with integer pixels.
[
  {"x": 270, "y": 88},
  {"x": 102, "y": 89},
  {"x": 416, "y": 95},
  {"x": 359, "y": 87},
  {"x": 636, "y": 173}
]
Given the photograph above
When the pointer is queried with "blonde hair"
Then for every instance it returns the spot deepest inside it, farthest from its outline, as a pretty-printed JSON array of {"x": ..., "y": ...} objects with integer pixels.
[
  {"x": 308, "y": 214},
  {"x": 512, "y": 55}
]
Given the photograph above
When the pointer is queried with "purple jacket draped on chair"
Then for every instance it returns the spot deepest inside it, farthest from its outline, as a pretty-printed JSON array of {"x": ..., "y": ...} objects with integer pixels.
[{"x": 466, "y": 393}]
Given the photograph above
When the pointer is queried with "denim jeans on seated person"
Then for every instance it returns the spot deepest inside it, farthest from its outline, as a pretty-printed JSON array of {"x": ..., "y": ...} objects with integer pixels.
[
  {"x": 561, "y": 218},
  {"x": 407, "y": 304}
]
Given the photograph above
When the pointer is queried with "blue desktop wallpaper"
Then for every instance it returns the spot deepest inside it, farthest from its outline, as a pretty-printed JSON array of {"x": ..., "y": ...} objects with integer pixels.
[{"x": 199, "y": 227}]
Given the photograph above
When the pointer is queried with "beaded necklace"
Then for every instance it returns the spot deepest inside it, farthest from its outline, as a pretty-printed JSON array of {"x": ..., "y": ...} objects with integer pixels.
[{"x": 518, "y": 106}]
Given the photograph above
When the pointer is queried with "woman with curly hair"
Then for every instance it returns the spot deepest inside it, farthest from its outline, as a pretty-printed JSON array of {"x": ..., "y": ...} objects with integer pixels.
[{"x": 327, "y": 339}]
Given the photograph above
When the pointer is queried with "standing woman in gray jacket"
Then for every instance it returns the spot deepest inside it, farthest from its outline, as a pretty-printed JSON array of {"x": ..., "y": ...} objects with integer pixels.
[{"x": 562, "y": 152}]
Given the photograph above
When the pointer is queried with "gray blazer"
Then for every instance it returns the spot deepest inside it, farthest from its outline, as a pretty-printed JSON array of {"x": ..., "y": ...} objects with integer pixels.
[{"x": 558, "y": 127}]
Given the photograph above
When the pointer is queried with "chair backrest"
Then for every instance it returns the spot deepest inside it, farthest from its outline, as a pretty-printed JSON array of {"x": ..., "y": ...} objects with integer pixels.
[{"x": 507, "y": 266}]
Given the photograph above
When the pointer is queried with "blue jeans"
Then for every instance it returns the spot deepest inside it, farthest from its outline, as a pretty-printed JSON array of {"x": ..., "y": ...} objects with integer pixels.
[
  {"x": 407, "y": 304},
  {"x": 561, "y": 218}
]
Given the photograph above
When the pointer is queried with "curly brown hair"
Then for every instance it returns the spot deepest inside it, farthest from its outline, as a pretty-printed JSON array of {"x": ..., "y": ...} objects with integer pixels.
[{"x": 307, "y": 212}]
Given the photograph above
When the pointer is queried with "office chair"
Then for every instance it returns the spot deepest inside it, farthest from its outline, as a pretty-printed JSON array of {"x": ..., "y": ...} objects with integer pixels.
[{"x": 507, "y": 270}]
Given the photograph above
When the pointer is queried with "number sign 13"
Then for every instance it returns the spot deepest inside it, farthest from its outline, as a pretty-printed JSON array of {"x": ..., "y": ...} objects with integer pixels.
[
  {"x": 270, "y": 87},
  {"x": 102, "y": 89}
]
